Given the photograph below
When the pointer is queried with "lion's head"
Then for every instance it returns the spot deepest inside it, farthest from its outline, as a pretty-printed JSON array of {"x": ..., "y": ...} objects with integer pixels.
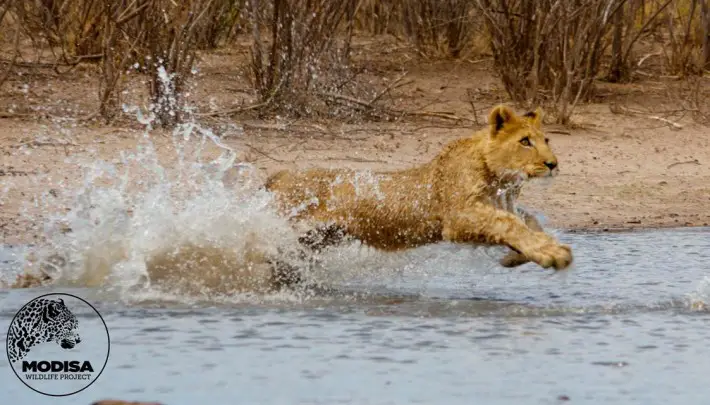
[{"x": 517, "y": 145}]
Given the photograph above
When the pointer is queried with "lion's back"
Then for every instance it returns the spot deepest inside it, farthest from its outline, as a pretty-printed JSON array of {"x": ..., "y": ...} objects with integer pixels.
[
  {"x": 301, "y": 192},
  {"x": 388, "y": 211}
]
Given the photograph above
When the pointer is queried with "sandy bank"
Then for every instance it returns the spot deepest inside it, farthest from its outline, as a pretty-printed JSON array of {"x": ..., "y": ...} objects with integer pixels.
[{"x": 616, "y": 172}]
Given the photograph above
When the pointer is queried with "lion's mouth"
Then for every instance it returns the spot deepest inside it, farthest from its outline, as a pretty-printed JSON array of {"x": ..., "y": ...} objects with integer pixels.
[
  {"x": 514, "y": 176},
  {"x": 544, "y": 172}
]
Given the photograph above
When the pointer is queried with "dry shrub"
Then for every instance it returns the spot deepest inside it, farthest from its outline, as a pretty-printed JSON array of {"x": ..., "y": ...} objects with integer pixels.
[
  {"x": 687, "y": 51},
  {"x": 223, "y": 20},
  {"x": 299, "y": 58},
  {"x": 379, "y": 17},
  {"x": 435, "y": 28},
  {"x": 546, "y": 51},
  {"x": 161, "y": 38},
  {"x": 549, "y": 50},
  {"x": 632, "y": 21},
  {"x": 120, "y": 25},
  {"x": 155, "y": 34},
  {"x": 682, "y": 99},
  {"x": 70, "y": 26},
  {"x": 705, "y": 32},
  {"x": 170, "y": 46},
  {"x": 75, "y": 26},
  {"x": 440, "y": 27},
  {"x": 5, "y": 6}
]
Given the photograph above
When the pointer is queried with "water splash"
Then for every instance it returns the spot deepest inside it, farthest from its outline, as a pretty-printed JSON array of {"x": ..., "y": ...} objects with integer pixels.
[
  {"x": 196, "y": 224},
  {"x": 193, "y": 224},
  {"x": 699, "y": 300},
  {"x": 199, "y": 226}
]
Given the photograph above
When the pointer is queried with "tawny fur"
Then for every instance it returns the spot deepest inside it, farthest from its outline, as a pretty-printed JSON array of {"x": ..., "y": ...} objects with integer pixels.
[{"x": 466, "y": 194}]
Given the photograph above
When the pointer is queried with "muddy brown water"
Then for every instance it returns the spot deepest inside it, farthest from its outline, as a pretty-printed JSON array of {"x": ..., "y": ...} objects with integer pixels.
[{"x": 628, "y": 324}]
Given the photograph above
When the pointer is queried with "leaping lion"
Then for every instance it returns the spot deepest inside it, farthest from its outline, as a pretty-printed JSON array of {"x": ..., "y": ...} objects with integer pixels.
[{"x": 466, "y": 194}]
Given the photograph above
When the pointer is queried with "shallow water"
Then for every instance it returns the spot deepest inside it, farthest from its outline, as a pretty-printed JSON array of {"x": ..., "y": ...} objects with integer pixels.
[{"x": 443, "y": 324}]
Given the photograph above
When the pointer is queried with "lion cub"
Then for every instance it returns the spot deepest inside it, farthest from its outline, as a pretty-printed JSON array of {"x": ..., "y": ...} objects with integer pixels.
[{"x": 466, "y": 194}]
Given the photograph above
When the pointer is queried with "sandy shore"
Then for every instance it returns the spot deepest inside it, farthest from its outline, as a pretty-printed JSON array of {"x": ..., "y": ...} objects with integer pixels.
[{"x": 616, "y": 172}]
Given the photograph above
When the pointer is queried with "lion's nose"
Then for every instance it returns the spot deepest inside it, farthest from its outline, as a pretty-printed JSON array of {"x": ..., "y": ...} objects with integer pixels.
[{"x": 551, "y": 165}]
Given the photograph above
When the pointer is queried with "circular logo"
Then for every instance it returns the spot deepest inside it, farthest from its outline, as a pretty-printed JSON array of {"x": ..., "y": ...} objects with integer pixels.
[{"x": 58, "y": 344}]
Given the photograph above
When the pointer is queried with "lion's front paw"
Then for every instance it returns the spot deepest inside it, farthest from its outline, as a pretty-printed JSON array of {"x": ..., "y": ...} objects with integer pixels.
[{"x": 547, "y": 252}]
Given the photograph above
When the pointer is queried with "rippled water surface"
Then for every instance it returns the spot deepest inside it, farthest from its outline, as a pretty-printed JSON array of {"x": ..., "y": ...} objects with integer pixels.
[{"x": 443, "y": 324}]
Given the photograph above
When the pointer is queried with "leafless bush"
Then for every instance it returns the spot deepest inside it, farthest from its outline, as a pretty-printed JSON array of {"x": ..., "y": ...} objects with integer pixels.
[
  {"x": 75, "y": 27},
  {"x": 5, "y": 6},
  {"x": 439, "y": 26},
  {"x": 299, "y": 58},
  {"x": 70, "y": 27},
  {"x": 632, "y": 20},
  {"x": 222, "y": 21},
  {"x": 156, "y": 34},
  {"x": 705, "y": 10},
  {"x": 685, "y": 99},
  {"x": 434, "y": 27},
  {"x": 171, "y": 33},
  {"x": 545, "y": 51},
  {"x": 549, "y": 50},
  {"x": 120, "y": 38},
  {"x": 688, "y": 32},
  {"x": 161, "y": 37},
  {"x": 379, "y": 16}
]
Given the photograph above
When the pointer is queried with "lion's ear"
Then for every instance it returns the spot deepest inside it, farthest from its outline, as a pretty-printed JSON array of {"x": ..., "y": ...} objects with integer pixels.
[
  {"x": 500, "y": 117},
  {"x": 535, "y": 116}
]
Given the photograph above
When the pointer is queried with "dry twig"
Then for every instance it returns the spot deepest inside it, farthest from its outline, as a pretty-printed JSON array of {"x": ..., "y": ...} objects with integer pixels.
[{"x": 667, "y": 121}]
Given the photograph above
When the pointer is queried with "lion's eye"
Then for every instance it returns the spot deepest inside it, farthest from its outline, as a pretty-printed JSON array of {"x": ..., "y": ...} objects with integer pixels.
[{"x": 525, "y": 141}]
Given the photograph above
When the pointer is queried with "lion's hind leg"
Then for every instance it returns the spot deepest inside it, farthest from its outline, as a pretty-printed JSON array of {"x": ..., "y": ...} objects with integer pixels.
[
  {"x": 311, "y": 243},
  {"x": 322, "y": 237}
]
